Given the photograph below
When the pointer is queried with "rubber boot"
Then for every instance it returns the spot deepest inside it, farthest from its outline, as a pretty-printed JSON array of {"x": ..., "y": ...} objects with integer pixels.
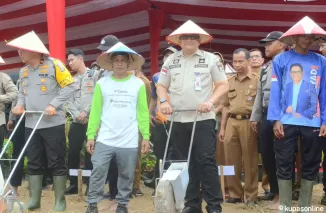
[
  {"x": 59, "y": 184},
  {"x": 305, "y": 193},
  {"x": 285, "y": 192},
  {"x": 35, "y": 191}
]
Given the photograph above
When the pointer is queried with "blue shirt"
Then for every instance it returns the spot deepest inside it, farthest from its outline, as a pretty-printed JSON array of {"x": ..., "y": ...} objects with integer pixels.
[
  {"x": 310, "y": 101},
  {"x": 155, "y": 78}
]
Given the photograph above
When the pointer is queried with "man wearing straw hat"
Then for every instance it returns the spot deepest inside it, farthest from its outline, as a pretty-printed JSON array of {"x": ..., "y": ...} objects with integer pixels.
[
  {"x": 46, "y": 85},
  {"x": 119, "y": 110},
  {"x": 310, "y": 125},
  {"x": 189, "y": 76}
]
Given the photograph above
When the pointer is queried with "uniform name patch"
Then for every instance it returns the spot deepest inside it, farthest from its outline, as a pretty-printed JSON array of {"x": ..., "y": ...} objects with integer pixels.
[
  {"x": 201, "y": 66},
  {"x": 174, "y": 66}
]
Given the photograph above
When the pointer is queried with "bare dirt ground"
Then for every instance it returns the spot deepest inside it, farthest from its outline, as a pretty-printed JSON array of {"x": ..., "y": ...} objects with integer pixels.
[{"x": 145, "y": 204}]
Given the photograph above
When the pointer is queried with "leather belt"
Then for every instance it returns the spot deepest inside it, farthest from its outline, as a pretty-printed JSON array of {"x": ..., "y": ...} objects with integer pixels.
[{"x": 239, "y": 117}]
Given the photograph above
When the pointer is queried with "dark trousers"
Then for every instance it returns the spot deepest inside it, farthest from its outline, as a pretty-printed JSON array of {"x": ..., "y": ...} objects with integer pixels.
[
  {"x": 203, "y": 171},
  {"x": 324, "y": 168},
  {"x": 159, "y": 138},
  {"x": 18, "y": 141},
  {"x": 2, "y": 135},
  {"x": 310, "y": 151},
  {"x": 266, "y": 141},
  {"x": 113, "y": 178},
  {"x": 77, "y": 137},
  {"x": 52, "y": 142}
]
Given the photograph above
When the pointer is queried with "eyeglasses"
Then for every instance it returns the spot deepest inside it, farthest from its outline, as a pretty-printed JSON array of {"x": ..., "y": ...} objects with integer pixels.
[
  {"x": 255, "y": 57},
  {"x": 189, "y": 36}
]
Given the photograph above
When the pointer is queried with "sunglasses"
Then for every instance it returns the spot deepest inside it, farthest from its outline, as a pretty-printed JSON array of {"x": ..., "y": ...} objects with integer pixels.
[{"x": 190, "y": 36}]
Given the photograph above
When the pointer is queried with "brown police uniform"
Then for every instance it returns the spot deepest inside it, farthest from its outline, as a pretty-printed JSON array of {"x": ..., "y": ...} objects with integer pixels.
[{"x": 240, "y": 140}]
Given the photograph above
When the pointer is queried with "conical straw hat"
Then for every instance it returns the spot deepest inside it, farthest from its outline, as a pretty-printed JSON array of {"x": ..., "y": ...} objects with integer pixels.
[
  {"x": 305, "y": 26},
  {"x": 30, "y": 42},
  {"x": 135, "y": 60},
  {"x": 189, "y": 28},
  {"x": 2, "y": 61}
]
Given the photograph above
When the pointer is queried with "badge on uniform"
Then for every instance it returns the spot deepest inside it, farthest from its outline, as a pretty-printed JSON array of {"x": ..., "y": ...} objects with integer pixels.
[
  {"x": 249, "y": 98},
  {"x": 220, "y": 66},
  {"x": 43, "y": 88},
  {"x": 197, "y": 82},
  {"x": 176, "y": 61},
  {"x": 164, "y": 70},
  {"x": 201, "y": 60}
]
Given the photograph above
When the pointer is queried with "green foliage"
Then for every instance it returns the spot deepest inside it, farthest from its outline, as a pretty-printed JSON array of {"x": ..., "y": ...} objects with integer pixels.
[{"x": 148, "y": 161}]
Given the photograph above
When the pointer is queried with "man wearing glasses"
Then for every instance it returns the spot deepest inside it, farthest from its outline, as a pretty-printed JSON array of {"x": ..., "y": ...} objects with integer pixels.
[
  {"x": 189, "y": 76},
  {"x": 256, "y": 61}
]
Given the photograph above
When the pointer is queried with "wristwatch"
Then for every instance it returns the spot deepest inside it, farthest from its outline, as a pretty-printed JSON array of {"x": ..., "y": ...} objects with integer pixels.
[{"x": 162, "y": 101}]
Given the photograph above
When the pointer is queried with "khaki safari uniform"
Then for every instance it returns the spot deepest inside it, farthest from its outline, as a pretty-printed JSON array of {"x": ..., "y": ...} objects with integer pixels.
[
  {"x": 240, "y": 140},
  {"x": 190, "y": 83}
]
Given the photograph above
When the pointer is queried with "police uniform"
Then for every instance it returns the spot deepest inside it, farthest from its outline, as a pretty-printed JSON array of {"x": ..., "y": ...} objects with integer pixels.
[
  {"x": 190, "y": 82},
  {"x": 49, "y": 83},
  {"x": 266, "y": 134},
  {"x": 240, "y": 141},
  {"x": 80, "y": 102}
]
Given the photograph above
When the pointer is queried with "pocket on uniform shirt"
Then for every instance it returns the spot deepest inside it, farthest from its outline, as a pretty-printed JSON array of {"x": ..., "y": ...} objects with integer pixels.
[
  {"x": 232, "y": 94},
  {"x": 88, "y": 86},
  {"x": 176, "y": 79}
]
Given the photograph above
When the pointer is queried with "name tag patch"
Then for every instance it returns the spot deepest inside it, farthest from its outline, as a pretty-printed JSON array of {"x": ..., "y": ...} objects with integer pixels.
[
  {"x": 201, "y": 66},
  {"x": 175, "y": 66}
]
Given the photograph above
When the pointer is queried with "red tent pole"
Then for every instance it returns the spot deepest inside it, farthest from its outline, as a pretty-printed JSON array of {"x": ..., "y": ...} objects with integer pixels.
[
  {"x": 55, "y": 12},
  {"x": 156, "y": 18}
]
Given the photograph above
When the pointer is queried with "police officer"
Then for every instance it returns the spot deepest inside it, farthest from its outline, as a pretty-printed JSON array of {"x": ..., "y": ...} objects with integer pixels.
[
  {"x": 79, "y": 107},
  {"x": 259, "y": 114},
  {"x": 322, "y": 49},
  {"x": 240, "y": 141},
  {"x": 189, "y": 76},
  {"x": 46, "y": 85},
  {"x": 297, "y": 108}
]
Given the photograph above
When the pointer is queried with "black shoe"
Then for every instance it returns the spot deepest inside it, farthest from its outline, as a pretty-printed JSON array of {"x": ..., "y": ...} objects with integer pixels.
[
  {"x": 71, "y": 190},
  {"x": 295, "y": 195},
  {"x": 189, "y": 209},
  {"x": 214, "y": 211},
  {"x": 267, "y": 196},
  {"x": 233, "y": 200},
  {"x": 323, "y": 200},
  {"x": 137, "y": 193},
  {"x": 92, "y": 208},
  {"x": 121, "y": 209}
]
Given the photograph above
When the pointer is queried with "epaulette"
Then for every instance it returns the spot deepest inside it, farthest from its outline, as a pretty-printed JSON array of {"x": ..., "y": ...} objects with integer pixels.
[{"x": 266, "y": 64}]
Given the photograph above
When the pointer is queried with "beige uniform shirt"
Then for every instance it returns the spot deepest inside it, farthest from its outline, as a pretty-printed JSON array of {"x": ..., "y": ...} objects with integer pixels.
[
  {"x": 8, "y": 94},
  {"x": 242, "y": 94},
  {"x": 190, "y": 81}
]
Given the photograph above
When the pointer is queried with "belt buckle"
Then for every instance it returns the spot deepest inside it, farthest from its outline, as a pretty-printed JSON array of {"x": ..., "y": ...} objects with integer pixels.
[{"x": 238, "y": 117}]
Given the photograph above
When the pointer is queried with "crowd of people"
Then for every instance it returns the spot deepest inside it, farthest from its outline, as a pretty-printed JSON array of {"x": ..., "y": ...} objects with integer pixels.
[{"x": 276, "y": 109}]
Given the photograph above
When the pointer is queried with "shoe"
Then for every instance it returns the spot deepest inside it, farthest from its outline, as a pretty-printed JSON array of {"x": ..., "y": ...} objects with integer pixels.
[
  {"x": 213, "y": 210},
  {"x": 285, "y": 192},
  {"x": 92, "y": 208},
  {"x": 121, "y": 209},
  {"x": 71, "y": 190},
  {"x": 137, "y": 193},
  {"x": 233, "y": 200},
  {"x": 295, "y": 195},
  {"x": 59, "y": 184},
  {"x": 251, "y": 204},
  {"x": 323, "y": 200},
  {"x": 35, "y": 191},
  {"x": 305, "y": 193},
  {"x": 189, "y": 209},
  {"x": 267, "y": 196}
]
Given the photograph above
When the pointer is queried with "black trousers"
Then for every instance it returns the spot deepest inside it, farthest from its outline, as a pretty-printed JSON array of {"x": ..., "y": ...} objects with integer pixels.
[
  {"x": 310, "y": 152},
  {"x": 202, "y": 168},
  {"x": 52, "y": 142},
  {"x": 2, "y": 135},
  {"x": 77, "y": 137},
  {"x": 159, "y": 138},
  {"x": 18, "y": 141},
  {"x": 266, "y": 142},
  {"x": 324, "y": 168}
]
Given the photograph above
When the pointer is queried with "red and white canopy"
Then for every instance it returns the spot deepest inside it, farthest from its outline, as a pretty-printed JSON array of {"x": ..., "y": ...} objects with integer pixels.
[{"x": 232, "y": 23}]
